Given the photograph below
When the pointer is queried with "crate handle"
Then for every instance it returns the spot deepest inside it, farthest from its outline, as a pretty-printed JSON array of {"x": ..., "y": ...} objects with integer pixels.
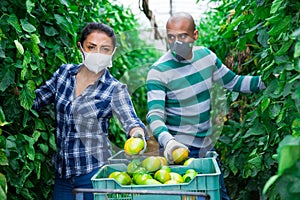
[
  {"x": 79, "y": 192},
  {"x": 211, "y": 154}
]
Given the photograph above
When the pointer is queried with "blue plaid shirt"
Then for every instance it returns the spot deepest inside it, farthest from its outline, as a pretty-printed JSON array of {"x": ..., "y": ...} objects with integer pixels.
[{"x": 83, "y": 121}]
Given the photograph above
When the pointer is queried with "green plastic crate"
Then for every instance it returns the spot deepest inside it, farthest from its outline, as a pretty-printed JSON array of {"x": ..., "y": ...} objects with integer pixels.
[
  {"x": 207, "y": 182},
  {"x": 121, "y": 157}
]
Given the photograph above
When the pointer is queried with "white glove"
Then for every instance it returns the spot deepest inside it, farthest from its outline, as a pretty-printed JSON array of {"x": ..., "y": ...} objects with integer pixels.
[
  {"x": 170, "y": 147},
  {"x": 140, "y": 134},
  {"x": 262, "y": 85}
]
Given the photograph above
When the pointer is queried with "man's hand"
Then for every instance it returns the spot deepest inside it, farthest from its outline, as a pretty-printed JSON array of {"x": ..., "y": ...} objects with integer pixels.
[
  {"x": 170, "y": 147},
  {"x": 140, "y": 134}
]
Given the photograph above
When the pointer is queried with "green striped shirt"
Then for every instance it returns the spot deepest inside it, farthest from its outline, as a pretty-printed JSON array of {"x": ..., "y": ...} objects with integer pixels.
[{"x": 179, "y": 93}]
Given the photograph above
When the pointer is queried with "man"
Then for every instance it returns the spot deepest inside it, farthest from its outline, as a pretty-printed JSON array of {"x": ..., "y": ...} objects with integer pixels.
[{"x": 178, "y": 91}]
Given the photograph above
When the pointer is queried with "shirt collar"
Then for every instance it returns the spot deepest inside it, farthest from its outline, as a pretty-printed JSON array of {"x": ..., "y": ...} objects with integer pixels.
[
  {"x": 182, "y": 61},
  {"x": 103, "y": 78},
  {"x": 74, "y": 70}
]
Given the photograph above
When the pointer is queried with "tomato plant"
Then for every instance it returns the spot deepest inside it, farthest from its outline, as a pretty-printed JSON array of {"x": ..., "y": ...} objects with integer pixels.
[
  {"x": 36, "y": 37},
  {"x": 256, "y": 38},
  {"x": 286, "y": 181}
]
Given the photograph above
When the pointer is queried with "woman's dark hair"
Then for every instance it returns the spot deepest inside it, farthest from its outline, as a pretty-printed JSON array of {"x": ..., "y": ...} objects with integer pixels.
[{"x": 95, "y": 26}]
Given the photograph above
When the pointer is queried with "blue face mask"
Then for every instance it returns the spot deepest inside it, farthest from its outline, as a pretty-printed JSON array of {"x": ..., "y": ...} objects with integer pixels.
[{"x": 181, "y": 50}]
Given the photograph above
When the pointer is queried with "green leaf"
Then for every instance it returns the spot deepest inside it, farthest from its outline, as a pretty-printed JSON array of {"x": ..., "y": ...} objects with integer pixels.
[
  {"x": 11, "y": 143},
  {"x": 3, "y": 186},
  {"x": 35, "y": 38},
  {"x": 284, "y": 48},
  {"x": 288, "y": 153},
  {"x": 64, "y": 2},
  {"x": 34, "y": 112},
  {"x": 284, "y": 59},
  {"x": 29, "y": 6},
  {"x": 61, "y": 56},
  {"x": 7, "y": 77},
  {"x": 36, "y": 135},
  {"x": 44, "y": 135},
  {"x": 52, "y": 143},
  {"x": 23, "y": 73},
  {"x": 275, "y": 18},
  {"x": 29, "y": 184},
  {"x": 39, "y": 125},
  {"x": 294, "y": 78},
  {"x": 13, "y": 20},
  {"x": 257, "y": 26},
  {"x": 44, "y": 148},
  {"x": 280, "y": 116},
  {"x": 296, "y": 127},
  {"x": 3, "y": 158},
  {"x": 50, "y": 31},
  {"x": 36, "y": 52},
  {"x": 26, "y": 26},
  {"x": 39, "y": 157},
  {"x": 23, "y": 175},
  {"x": 24, "y": 191},
  {"x": 2, "y": 53},
  {"x": 232, "y": 165},
  {"x": 246, "y": 172},
  {"x": 27, "y": 95},
  {"x": 265, "y": 104},
  {"x": 279, "y": 27},
  {"x": 25, "y": 118},
  {"x": 256, "y": 161},
  {"x": 26, "y": 60},
  {"x": 19, "y": 47},
  {"x": 275, "y": 6},
  {"x": 269, "y": 66},
  {"x": 3, "y": 121},
  {"x": 269, "y": 183},
  {"x": 63, "y": 21},
  {"x": 35, "y": 48},
  {"x": 275, "y": 110},
  {"x": 296, "y": 33},
  {"x": 2, "y": 141},
  {"x": 297, "y": 49},
  {"x": 263, "y": 37},
  {"x": 37, "y": 167},
  {"x": 29, "y": 147},
  {"x": 257, "y": 129},
  {"x": 295, "y": 185}
]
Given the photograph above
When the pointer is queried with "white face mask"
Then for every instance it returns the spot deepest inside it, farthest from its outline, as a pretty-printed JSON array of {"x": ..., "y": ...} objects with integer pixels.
[{"x": 96, "y": 62}]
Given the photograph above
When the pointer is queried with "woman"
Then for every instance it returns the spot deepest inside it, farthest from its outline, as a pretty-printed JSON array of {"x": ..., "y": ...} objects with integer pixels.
[{"x": 85, "y": 96}]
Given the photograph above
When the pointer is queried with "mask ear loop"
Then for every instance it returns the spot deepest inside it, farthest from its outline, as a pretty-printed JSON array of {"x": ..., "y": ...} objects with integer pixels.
[
  {"x": 82, "y": 51},
  {"x": 114, "y": 51},
  {"x": 112, "y": 54}
]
